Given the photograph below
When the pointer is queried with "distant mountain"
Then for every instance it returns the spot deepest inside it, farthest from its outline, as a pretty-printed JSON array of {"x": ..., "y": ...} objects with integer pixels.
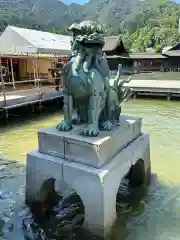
[{"x": 134, "y": 19}]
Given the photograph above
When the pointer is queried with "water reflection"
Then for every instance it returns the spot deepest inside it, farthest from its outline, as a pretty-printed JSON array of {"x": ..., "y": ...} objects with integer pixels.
[
  {"x": 11, "y": 196},
  {"x": 155, "y": 215}
]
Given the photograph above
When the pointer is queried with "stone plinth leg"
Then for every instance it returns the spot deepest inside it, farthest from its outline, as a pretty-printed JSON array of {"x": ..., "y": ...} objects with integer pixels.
[
  {"x": 97, "y": 195},
  {"x": 41, "y": 172},
  {"x": 98, "y": 187}
]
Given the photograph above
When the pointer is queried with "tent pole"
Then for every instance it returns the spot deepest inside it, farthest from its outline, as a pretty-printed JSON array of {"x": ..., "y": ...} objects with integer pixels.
[
  {"x": 2, "y": 80},
  {"x": 12, "y": 73},
  {"x": 39, "y": 80},
  {"x": 26, "y": 69},
  {"x": 34, "y": 71},
  {"x": 52, "y": 64},
  {"x": 35, "y": 66},
  {"x": 38, "y": 67},
  {"x": 8, "y": 70}
]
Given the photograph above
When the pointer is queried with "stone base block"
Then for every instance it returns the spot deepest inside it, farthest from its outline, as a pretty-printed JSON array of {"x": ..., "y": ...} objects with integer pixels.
[
  {"x": 97, "y": 187},
  {"x": 92, "y": 151}
]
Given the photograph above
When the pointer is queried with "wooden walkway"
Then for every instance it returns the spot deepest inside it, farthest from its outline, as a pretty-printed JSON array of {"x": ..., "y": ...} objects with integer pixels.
[
  {"x": 158, "y": 88},
  {"x": 25, "y": 94},
  {"x": 20, "y": 98},
  {"x": 16, "y": 98}
]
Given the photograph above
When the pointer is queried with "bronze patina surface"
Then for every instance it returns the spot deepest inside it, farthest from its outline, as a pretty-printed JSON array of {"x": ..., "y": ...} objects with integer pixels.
[{"x": 89, "y": 89}]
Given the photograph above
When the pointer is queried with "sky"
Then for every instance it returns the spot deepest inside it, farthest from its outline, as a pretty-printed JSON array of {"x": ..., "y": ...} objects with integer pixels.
[
  {"x": 84, "y": 1},
  {"x": 76, "y": 1}
]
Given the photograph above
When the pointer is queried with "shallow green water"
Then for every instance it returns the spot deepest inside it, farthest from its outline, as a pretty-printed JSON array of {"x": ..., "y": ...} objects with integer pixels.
[
  {"x": 158, "y": 216},
  {"x": 160, "y": 118}
]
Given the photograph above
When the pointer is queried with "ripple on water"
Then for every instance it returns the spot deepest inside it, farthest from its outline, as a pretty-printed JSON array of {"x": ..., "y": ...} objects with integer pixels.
[{"x": 157, "y": 216}]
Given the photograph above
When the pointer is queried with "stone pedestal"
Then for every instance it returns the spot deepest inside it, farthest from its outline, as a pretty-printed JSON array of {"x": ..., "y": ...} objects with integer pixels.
[{"x": 94, "y": 167}]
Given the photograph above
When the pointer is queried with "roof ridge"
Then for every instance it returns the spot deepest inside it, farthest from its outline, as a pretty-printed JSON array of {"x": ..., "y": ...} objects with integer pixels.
[
  {"x": 144, "y": 53},
  {"x": 41, "y": 41},
  {"x": 40, "y": 31},
  {"x": 13, "y": 29}
]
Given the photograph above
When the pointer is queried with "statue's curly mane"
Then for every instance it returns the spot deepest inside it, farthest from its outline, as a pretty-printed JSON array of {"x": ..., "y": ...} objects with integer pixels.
[
  {"x": 87, "y": 35},
  {"x": 86, "y": 28}
]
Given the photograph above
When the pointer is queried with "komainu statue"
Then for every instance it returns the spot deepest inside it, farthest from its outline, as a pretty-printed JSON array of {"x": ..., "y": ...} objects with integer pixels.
[{"x": 89, "y": 90}]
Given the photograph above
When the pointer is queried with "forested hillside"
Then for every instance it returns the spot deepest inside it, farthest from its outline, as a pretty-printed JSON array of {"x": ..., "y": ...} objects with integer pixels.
[{"x": 138, "y": 21}]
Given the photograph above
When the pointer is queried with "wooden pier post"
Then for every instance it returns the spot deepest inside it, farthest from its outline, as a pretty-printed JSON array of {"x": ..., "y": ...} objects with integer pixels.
[{"x": 169, "y": 96}]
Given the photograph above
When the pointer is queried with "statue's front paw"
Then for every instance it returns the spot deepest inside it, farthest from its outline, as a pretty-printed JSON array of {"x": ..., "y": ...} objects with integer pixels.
[
  {"x": 64, "y": 126},
  {"x": 91, "y": 131},
  {"x": 107, "y": 126}
]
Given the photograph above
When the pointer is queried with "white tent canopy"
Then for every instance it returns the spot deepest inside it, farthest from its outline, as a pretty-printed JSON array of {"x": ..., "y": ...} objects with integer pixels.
[{"x": 15, "y": 40}]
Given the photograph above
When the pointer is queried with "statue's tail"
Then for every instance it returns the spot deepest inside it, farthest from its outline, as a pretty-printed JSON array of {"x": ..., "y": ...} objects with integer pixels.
[
  {"x": 118, "y": 83},
  {"x": 118, "y": 76},
  {"x": 121, "y": 83},
  {"x": 125, "y": 92}
]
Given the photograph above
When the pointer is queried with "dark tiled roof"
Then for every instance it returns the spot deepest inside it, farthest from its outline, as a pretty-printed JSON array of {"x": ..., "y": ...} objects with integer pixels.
[
  {"x": 111, "y": 43},
  {"x": 172, "y": 53},
  {"x": 146, "y": 55},
  {"x": 175, "y": 47},
  {"x": 118, "y": 56},
  {"x": 139, "y": 56}
]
